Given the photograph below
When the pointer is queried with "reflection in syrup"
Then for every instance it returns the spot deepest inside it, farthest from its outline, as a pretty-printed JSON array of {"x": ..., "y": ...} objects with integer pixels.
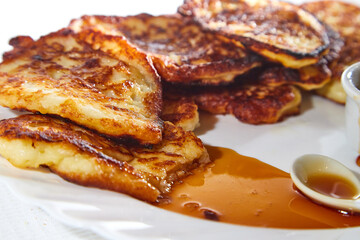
[{"x": 243, "y": 190}]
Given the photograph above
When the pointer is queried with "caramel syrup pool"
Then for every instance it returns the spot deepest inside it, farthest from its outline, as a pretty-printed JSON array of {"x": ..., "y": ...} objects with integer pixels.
[{"x": 243, "y": 190}]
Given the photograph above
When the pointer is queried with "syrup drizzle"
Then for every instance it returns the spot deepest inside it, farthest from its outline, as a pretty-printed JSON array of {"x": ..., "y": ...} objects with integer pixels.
[{"x": 243, "y": 190}]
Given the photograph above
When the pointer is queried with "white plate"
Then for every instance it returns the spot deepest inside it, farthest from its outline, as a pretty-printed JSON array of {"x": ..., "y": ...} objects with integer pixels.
[{"x": 319, "y": 129}]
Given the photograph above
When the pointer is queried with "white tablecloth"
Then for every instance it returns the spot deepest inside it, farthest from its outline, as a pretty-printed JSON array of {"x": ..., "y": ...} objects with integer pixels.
[{"x": 22, "y": 221}]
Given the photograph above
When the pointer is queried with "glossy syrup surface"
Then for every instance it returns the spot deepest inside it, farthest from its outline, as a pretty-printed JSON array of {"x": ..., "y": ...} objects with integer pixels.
[
  {"x": 243, "y": 190},
  {"x": 332, "y": 185}
]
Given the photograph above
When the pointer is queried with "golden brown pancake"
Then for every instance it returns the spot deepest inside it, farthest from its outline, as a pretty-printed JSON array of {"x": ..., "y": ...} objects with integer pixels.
[
  {"x": 84, "y": 157},
  {"x": 249, "y": 100},
  {"x": 180, "y": 49},
  {"x": 316, "y": 76},
  {"x": 280, "y": 31},
  {"x": 61, "y": 74},
  {"x": 313, "y": 76},
  {"x": 341, "y": 16},
  {"x": 308, "y": 78},
  {"x": 182, "y": 112},
  {"x": 345, "y": 19}
]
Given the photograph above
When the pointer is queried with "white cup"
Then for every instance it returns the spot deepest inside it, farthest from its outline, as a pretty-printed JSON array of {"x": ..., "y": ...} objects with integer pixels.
[{"x": 350, "y": 80}]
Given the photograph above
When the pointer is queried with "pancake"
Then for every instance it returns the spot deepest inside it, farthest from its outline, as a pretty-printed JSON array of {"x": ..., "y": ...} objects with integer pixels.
[
  {"x": 311, "y": 77},
  {"x": 249, "y": 100},
  {"x": 308, "y": 78},
  {"x": 61, "y": 74},
  {"x": 314, "y": 76},
  {"x": 84, "y": 157},
  {"x": 182, "y": 112},
  {"x": 279, "y": 31},
  {"x": 345, "y": 19},
  {"x": 180, "y": 49}
]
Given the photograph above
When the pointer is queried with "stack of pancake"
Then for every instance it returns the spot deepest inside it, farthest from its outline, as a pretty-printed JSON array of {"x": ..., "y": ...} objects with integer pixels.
[
  {"x": 251, "y": 59},
  {"x": 115, "y": 99},
  {"x": 344, "y": 18}
]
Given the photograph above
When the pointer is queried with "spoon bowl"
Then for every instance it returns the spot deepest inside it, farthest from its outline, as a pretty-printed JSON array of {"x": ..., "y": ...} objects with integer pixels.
[{"x": 331, "y": 191}]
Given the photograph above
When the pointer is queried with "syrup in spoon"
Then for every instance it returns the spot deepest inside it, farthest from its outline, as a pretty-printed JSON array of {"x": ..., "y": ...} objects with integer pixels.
[{"x": 327, "y": 182}]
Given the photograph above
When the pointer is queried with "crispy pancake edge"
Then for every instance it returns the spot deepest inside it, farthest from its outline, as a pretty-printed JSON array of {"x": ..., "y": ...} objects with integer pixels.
[{"x": 287, "y": 57}]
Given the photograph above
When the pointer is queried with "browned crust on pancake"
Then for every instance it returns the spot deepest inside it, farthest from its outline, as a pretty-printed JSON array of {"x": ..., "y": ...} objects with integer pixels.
[
  {"x": 181, "y": 50},
  {"x": 248, "y": 100},
  {"x": 63, "y": 134},
  {"x": 341, "y": 17},
  {"x": 266, "y": 27},
  {"x": 251, "y": 104},
  {"x": 83, "y": 81},
  {"x": 182, "y": 112},
  {"x": 145, "y": 173},
  {"x": 344, "y": 18},
  {"x": 308, "y": 78}
]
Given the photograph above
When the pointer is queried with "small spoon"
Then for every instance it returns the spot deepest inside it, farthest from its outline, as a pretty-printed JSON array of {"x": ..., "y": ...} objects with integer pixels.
[{"x": 306, "y": 167}]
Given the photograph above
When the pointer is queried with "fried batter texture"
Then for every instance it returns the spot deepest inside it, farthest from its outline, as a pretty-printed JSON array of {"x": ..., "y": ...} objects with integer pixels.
[
  {"x": 61, "y": 74},
  {"x": 182, "y": 112},
  {"x": 277, "y": 30},
  {"x": 344, "y": 18},
  {"x": 181, "y": 50},
  {"x": 249, "y": 99},
  {"x": 82, "y": 156}
]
